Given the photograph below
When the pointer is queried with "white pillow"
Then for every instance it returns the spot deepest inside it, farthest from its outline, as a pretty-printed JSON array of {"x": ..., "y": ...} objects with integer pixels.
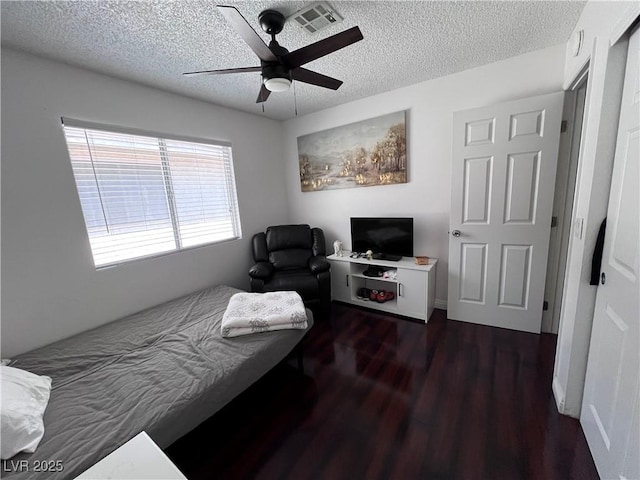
[{"x": 23, "y": 400}]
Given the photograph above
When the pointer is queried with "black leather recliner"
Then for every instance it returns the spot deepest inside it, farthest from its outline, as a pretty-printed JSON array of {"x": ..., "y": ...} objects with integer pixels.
[{"x": 292, "y": 257}]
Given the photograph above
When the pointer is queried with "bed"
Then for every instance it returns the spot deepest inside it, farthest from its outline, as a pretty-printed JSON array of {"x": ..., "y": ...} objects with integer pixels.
[{"x": 163, "y": 370}]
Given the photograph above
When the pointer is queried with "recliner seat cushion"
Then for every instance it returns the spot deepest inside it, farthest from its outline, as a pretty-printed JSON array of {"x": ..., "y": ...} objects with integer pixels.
[
  {"x": 305, "y": 283},
  {"x": 290, "y": 259}
]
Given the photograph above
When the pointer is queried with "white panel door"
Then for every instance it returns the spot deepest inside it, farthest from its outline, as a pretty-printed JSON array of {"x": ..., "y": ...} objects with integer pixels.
[
  {"x": 503, "y": 179},
  {"x": 609, "y": 414}
]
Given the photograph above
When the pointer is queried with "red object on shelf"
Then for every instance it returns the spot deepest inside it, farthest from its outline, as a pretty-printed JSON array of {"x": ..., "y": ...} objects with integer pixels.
[{"x": 384, "y": 296}]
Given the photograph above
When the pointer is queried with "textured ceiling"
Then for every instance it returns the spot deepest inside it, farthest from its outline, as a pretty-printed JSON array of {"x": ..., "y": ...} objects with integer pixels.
[{"x": 153, "y": 42}]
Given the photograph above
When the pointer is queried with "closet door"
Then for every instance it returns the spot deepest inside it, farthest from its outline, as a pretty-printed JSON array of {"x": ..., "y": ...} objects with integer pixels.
[{"x": 609, "y": 410}]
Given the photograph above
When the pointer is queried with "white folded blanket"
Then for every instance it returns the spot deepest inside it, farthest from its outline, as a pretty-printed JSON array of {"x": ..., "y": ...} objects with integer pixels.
[{"x": 263, "y": 312}]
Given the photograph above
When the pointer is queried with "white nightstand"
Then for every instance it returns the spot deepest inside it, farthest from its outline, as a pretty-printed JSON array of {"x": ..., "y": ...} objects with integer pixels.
[{"x": 139, "y": 458}]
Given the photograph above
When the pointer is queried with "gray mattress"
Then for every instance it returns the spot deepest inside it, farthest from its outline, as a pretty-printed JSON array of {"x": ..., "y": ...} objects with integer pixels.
[{"x": 163, "y": 370}]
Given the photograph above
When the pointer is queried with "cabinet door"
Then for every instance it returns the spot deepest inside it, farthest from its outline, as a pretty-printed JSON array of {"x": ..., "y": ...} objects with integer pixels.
[
  {"x": 340, "y": 281},
  {"x": 412, "y": 293}
]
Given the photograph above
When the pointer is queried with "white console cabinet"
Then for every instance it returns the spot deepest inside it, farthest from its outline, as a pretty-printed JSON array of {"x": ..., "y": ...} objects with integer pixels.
[{"x": 414, "y": 285}]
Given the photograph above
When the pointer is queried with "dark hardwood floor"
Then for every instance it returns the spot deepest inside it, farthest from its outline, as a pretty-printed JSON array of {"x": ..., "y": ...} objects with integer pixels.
[{"x": 388, "y": 398}]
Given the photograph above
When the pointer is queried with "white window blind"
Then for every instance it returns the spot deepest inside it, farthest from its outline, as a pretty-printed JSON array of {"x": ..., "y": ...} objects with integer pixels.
[{"x": 145, "y": 195}]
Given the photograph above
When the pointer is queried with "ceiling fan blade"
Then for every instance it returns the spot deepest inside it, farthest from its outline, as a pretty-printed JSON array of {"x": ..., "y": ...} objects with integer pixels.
[
  {"x": 263, "y": 95},
  {"x": 249, "y": 35},
  {"x": 323, "y": 47},
  {"x": 315, "y": 78},
  {"x": 225, "y": 70}
]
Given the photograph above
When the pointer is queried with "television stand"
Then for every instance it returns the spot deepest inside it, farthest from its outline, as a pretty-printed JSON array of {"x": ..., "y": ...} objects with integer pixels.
[
  {"x": 414, "y": 285},
  {"x": 386, "y": 256}
]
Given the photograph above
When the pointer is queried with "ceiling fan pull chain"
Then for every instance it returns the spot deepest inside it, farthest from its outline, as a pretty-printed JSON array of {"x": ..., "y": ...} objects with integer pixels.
[{"x": 295, "y": 99}]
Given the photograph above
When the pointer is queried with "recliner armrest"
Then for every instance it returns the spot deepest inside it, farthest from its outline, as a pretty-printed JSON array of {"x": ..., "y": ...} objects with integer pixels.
[
  {"x": 262, "y": 270},
  {"x": 319, "y": 264}
]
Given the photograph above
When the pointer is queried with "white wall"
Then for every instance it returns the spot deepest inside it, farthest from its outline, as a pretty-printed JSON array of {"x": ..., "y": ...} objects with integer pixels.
[
  {"x": 430, "y": 108},
  {"x": 50, "y": 289},
  {"x": 605, "y": 20},
  {"x": 602, "y": 23}
]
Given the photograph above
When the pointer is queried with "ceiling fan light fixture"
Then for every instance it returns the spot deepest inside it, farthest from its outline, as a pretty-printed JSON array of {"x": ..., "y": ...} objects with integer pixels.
[{"x": 277, "y": 84}]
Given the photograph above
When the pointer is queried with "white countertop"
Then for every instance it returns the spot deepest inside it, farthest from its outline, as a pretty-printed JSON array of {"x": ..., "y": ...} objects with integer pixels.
[{"x": 405, "y": 262}]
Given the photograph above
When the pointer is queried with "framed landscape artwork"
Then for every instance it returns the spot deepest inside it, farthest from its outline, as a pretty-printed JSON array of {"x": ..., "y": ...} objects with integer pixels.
[{"x": 363, "y": 154}]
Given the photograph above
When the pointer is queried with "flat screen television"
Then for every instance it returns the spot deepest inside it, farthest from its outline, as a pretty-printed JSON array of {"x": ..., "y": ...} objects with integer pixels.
[{"x": 387, "y": 238}]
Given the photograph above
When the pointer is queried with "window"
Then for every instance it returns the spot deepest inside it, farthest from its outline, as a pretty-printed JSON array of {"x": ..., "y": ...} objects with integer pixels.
[{"x": 145, "y": 195}]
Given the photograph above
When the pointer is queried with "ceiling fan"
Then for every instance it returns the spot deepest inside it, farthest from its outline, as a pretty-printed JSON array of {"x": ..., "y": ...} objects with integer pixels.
[{"x": 277, "y": 65}]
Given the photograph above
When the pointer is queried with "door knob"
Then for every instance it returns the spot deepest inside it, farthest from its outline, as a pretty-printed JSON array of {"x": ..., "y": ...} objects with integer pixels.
[
  {"x": 456, "y": 233},
  {"x": 603, "y": 278}
]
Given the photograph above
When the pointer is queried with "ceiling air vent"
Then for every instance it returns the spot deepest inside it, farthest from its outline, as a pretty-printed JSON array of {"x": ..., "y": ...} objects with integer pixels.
[{"x": 316, "y": 17}]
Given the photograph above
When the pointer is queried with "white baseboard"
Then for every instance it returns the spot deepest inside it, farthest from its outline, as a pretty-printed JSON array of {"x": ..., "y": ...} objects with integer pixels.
[
  {"x": 441, "y": 304},
  {"x": 558, "y": 394}
]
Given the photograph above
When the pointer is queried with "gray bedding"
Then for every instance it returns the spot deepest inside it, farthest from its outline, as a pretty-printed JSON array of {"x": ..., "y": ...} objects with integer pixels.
[{"x": 163, "y": 370}]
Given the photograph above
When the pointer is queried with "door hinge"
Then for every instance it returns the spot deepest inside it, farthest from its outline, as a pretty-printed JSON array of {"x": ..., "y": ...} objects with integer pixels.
[
  {"x": 563, "y": 126},
  {"x": 554, "y": 221},
  {"x": 545, "y": 305}
]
